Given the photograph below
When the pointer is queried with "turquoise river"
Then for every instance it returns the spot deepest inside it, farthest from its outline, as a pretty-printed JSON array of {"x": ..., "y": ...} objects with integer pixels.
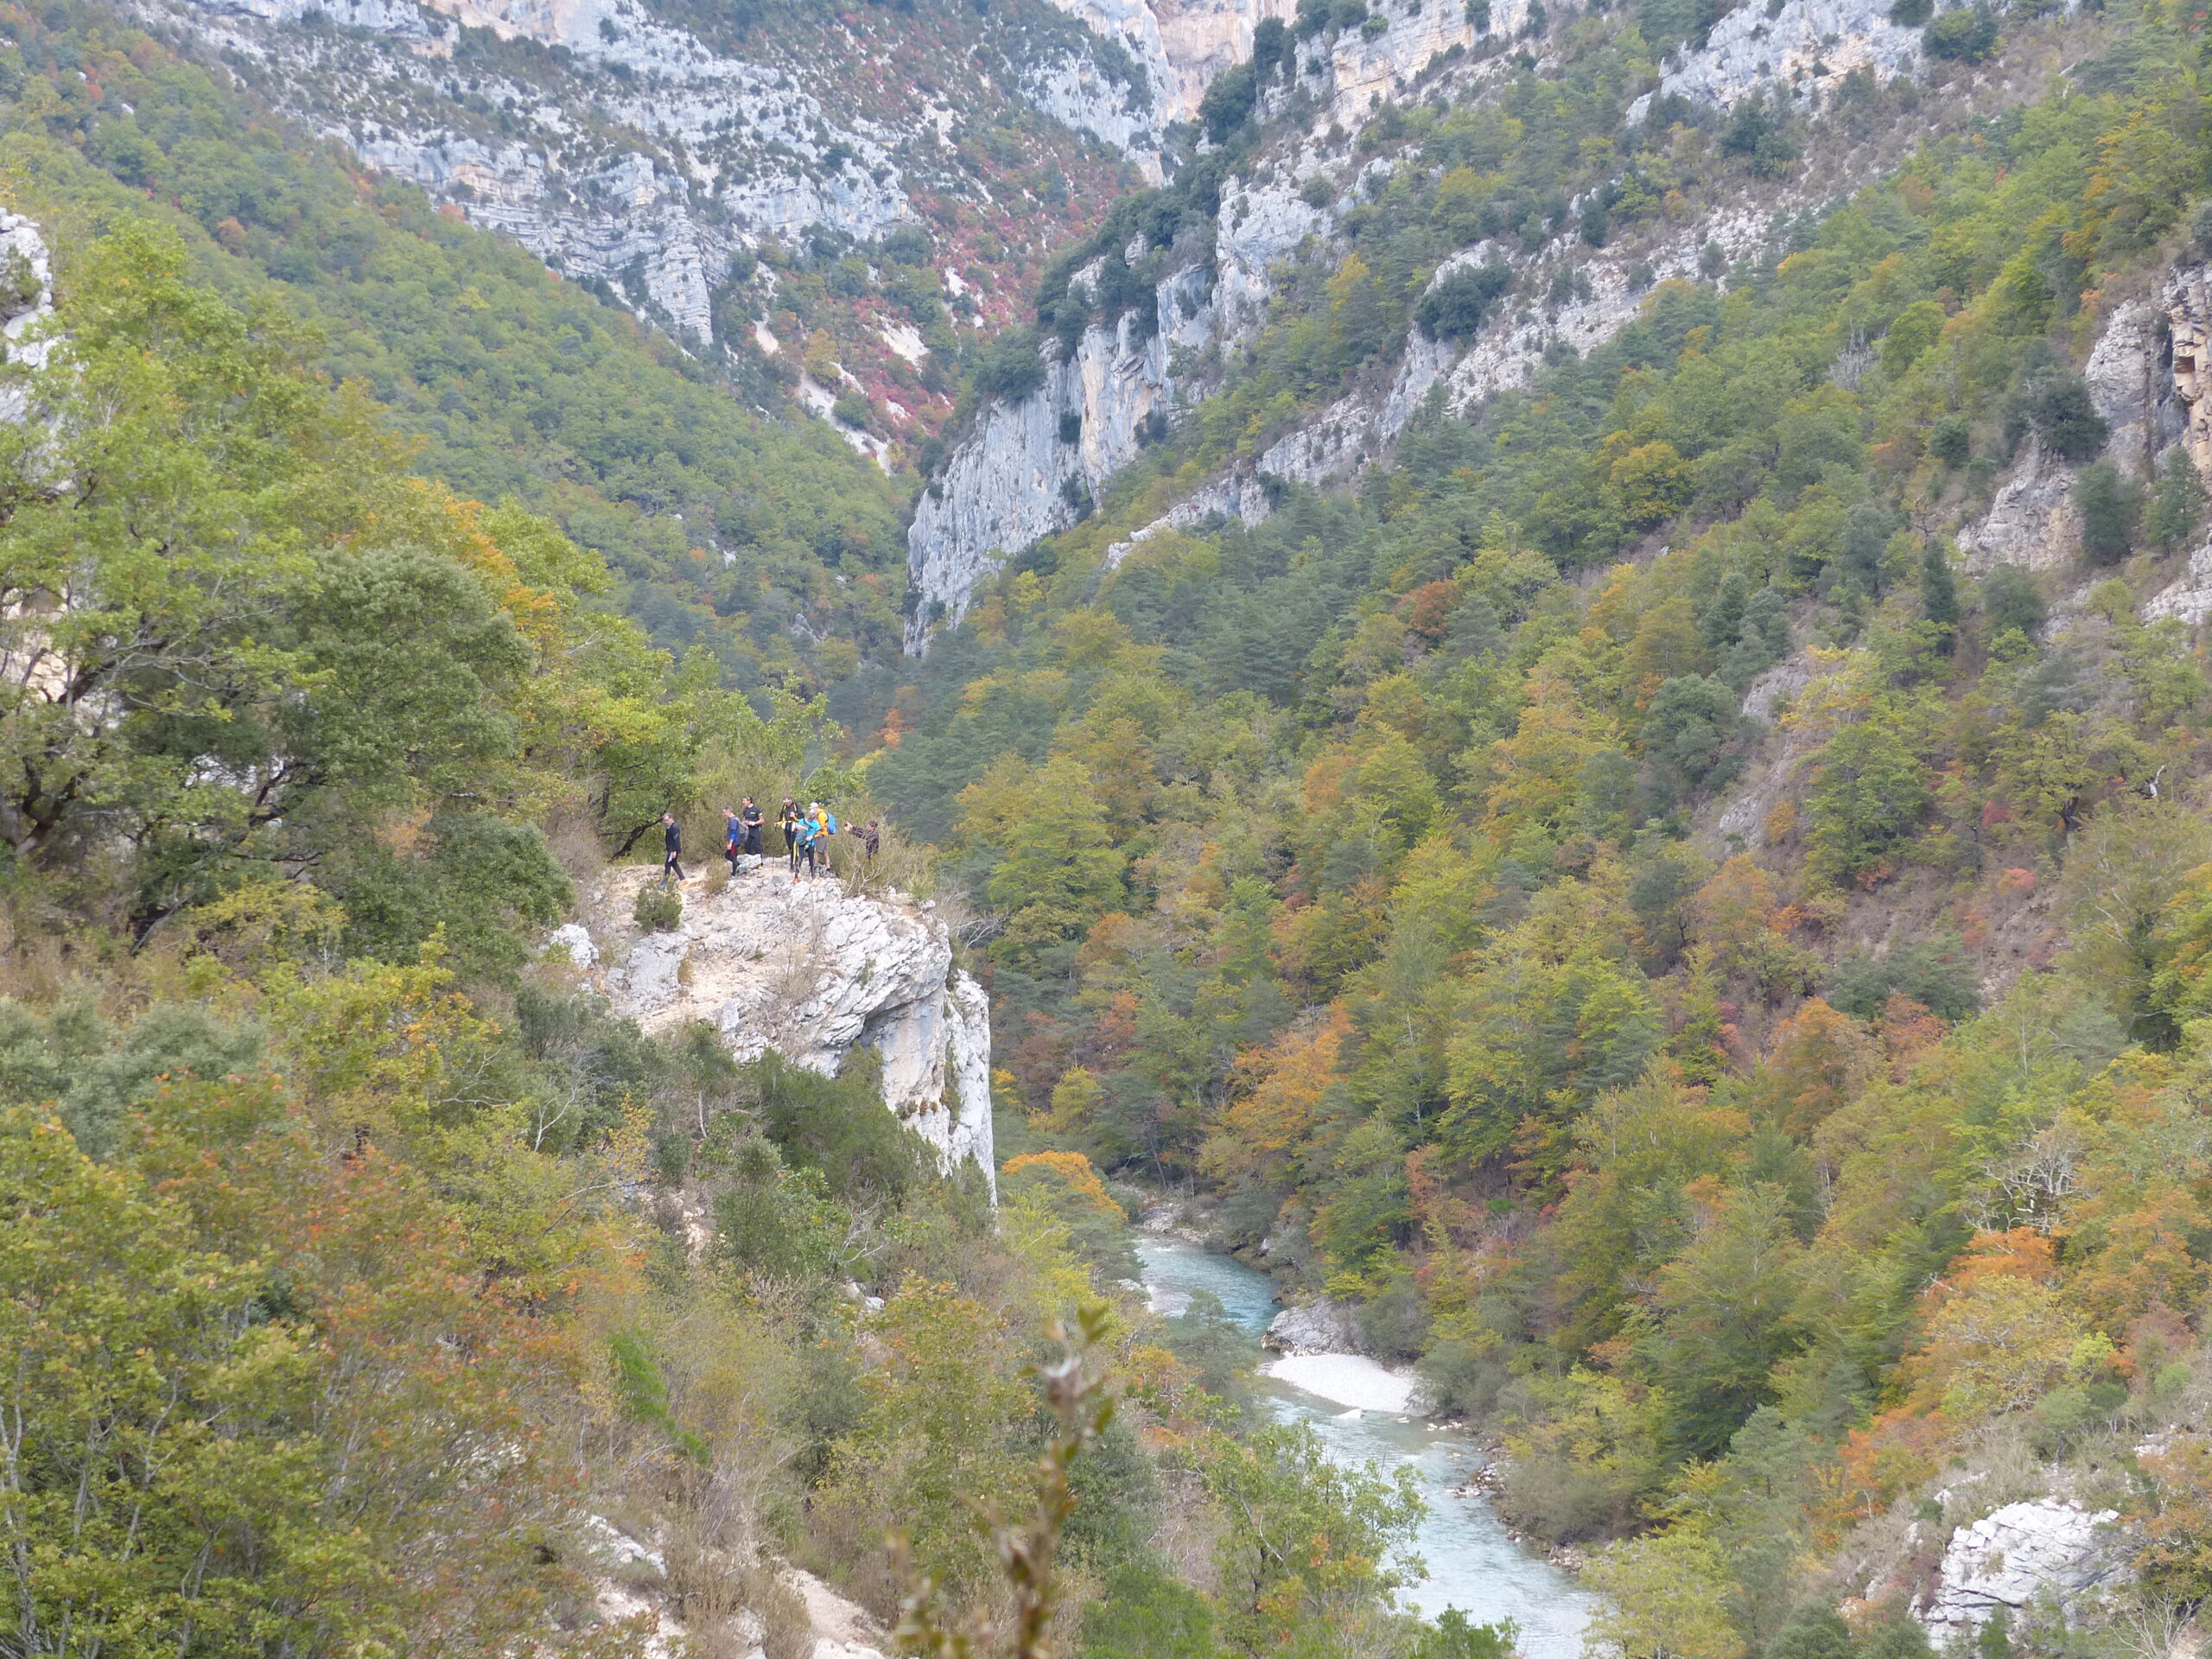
[{"x": 1473, "y": 1564}]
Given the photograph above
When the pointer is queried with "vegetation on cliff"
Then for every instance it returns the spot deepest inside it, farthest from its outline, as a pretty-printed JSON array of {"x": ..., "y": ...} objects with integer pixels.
[{"x": 1709, "y": 980}]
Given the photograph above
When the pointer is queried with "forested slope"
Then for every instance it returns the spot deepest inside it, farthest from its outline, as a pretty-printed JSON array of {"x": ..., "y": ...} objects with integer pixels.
[
  {"x": 723, "y": 526},
  {"x": 367, "y": 1286},
  {"x": 1673, "y": 880},
  {"x": 1679, "y": 898}
]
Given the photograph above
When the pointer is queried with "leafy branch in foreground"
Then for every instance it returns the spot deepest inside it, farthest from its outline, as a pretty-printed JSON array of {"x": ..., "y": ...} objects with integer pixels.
[{"x": 1076, "y": 1395}]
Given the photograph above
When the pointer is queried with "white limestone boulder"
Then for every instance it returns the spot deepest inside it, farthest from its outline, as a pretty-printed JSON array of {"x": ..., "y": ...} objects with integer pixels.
[
  {"x": 1320, "y": 1327},
  {"x": 2017, "y": 1557}
]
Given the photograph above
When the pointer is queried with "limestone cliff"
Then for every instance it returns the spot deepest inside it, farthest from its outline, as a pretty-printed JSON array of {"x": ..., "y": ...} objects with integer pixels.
[
  {"x": 646, "y": 147},
  {"x": 2143, "y": 378},
  {"x": 1183, "y": 44},
  {"x": 811, "y": 971},
  {"x": 1029, "y": 466},
  {"x": 1808, "y": 45},
  {"x": 1013, "y": 480},
  {"x": 1015, "y": 477}
]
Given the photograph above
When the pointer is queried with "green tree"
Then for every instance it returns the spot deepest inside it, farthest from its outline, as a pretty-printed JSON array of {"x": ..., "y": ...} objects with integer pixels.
[
  {"x": 1666, "y": 1598},
  {"x": 2011, "y": 599},
  {"x": 2176, "y": 503},
  {"x": 2108, "y": 503},
  {"x": 1058, "y": 868},
  {"x": 1939, "y": 593},
  {"x": 1720, "y": 1318},
  {"x": 1815, "y": 1631},
  {"x": 1869, "y": 793},
  {"x": 167, "y": 486},
  {"x": 258, "y": 1403},
  {"x": 1307, "y": 1543},
  {"x": 1966, "y": 33},
  {"x": 2124, "y": 874}
]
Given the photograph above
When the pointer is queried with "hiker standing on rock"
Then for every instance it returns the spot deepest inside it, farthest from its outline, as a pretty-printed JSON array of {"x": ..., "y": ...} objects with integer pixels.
[
  {"x": 732, "y": 838},
  {"x": 749, "y": 816},
  {"x": 803, "y": 846},
  {"x": 671, "y": 841},
  {"x": 790, "y": 822}
]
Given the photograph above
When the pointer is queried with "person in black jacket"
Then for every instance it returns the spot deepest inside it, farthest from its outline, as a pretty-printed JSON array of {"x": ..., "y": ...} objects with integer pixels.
[
  {"x": 749, "y": 816},
  {"x": 671, "y": 839}
]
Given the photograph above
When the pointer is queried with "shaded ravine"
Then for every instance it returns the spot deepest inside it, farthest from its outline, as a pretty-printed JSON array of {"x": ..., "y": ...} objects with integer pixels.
[{"x": 1472, "y": 1564}]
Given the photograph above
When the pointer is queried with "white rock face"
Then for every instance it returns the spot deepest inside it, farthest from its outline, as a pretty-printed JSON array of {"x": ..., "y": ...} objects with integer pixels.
[
  {"x": 1808, "y": 44},
  {"x": 1183, "y": 44},
  {"x": 2033, "y": 521},
  {"x": 2186, "y": 417},
  {"x": 1320, "y": 1327},
  {"x": 643, "y": 156},
  {"x": 26, "y": 302},
  {"x": 2016, "y": 1557},
  {"x": 2132, "y": 380},
  {"x": 1009, "y": 482},
  {"x": 812, "y": 971},
  {"x": 2188, "y": 304},
  {"x": 1258, "y": 227},
  {"x": 1233, "y": 497},
  {"x": 1359, "y": 70},
  {"x": 1509, "y": 352},
  {"x": 2149, "y": 399}
]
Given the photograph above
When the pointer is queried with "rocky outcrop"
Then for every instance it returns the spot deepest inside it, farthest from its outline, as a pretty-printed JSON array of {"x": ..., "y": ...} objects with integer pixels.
[
  {"x": 710, "y": 153},
  {"x": 632, "y": 1586},
  {"x": 25, "y": 301},
  {"x": 2021, "y": 1555},
  {"x": 2187, "y": 302},
  {"x": 2031, "y": 521},
  {"x": 2185, "y": 307},
  {"x": 2132, "y": 380},
  {"x": 626, "y": 148},
  {"x": 2143, "y": 376},
  {"x": 1258, "y": 227},
  {"x": 811, "y": 971},
  {"x": 1030, "y": 467},
  {"x": 1510, "y": 350},
  {"x": 1357, "y": 71},
  {"x": 1320, "y": 1327},
  {"x": 1183, "y": 44},
  {"x": 1807, "y": 45}
]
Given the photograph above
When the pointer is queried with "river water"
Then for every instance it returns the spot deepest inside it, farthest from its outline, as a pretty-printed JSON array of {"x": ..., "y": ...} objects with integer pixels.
[{"x": 1472, "y": 1564}]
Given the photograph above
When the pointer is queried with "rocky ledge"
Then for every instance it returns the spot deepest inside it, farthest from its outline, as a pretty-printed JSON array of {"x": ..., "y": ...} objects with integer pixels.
[{"x": 812, "y": 971}]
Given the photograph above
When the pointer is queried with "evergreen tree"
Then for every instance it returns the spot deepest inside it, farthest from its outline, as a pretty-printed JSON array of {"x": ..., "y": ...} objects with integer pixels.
[
  {"x": 1817, "y": 1631},
  {"x": 1939, "y": 593},
  {"x": 2177, "y": 504},
  {"x": 2108, "y": 503}
]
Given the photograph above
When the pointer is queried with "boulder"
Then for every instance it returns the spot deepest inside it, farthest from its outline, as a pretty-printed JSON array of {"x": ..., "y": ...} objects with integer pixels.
[
  {"x": 1320, "y": 1327},
  {"x": 2017, "y": 1557}
]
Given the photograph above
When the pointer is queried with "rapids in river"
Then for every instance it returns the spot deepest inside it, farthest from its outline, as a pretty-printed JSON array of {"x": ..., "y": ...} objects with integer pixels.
[{"x": 1472, "y": 1564}]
